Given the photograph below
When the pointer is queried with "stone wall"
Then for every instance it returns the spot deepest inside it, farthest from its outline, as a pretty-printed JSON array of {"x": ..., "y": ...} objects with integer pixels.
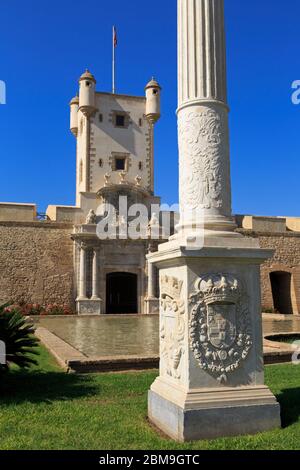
[
  {"x": 36, "y": 263},
  {"x": 286, "y": 259}
]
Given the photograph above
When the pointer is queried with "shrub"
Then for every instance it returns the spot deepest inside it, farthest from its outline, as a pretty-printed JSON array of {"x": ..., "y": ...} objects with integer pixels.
[
  {"x": 30, "y": 310},
  {"x": 55, "y": 309},
  {"x": 18, "y": 338}
]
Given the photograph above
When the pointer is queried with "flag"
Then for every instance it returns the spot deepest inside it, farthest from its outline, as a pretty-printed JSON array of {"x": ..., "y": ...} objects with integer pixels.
[{"x": 115, "y": 37}]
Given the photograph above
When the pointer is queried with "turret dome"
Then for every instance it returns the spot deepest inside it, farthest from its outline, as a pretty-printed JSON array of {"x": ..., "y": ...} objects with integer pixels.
[
  {"x": 75, "y": 100},
  {"x": 153, "y": 84},
  {"x": 87, "y": 75}
]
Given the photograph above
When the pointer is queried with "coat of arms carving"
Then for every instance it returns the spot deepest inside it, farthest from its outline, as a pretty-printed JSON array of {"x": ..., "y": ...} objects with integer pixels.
[{"x": 220, "y": 327}]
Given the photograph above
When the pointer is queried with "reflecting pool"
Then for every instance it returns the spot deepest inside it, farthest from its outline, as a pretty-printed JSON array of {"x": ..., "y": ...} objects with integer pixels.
[{"x": 123, "y": 335}]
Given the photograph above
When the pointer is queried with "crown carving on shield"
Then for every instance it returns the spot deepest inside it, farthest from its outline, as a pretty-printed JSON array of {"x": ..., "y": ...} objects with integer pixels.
[
  {"x": 220, "y": 288},
  {"x": 171, "y": 286}
]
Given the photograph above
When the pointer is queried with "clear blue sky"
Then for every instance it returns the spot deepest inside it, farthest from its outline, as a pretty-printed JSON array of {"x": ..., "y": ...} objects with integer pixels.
[{"x": 46, "y": 44}]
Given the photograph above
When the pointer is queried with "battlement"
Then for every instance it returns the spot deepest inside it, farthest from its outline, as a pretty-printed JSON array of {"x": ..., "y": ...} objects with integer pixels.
[
  {"x": 15, "y": 212},
  {"x": 268, "y": 224}
]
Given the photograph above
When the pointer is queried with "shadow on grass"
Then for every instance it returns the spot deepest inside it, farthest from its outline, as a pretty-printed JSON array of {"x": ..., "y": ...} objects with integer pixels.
[
  {"x": 44, "y": 387},
  {"x": 289, "y": 400}
]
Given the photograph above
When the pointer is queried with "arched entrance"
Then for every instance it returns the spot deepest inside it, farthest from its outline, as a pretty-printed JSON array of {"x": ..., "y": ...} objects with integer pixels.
[
  {"x": 121, "y": 293},
  {"x": 281, "y": 283}
]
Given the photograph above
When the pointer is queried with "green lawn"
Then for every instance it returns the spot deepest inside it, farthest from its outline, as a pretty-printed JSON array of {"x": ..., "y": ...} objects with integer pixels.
[{"x": 48, "y": 409}]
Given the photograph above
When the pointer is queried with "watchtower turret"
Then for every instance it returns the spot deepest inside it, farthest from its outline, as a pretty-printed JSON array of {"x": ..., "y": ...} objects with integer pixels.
[
  {"x": 87, "y": 85},
  {"x": 74, "y": 106},
  {"x": 153, "y": 90}
]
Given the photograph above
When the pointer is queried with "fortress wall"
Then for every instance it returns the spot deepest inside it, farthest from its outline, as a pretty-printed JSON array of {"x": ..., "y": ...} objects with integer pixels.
[
  {"x": 36, "y": 263},
  {"x": 17, "y": 212},
  {"x": 286, "y": 259}
]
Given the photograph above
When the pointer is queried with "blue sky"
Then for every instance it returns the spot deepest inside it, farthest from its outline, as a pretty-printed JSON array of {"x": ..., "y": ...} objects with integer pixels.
[{"x": 46, "y": 44}]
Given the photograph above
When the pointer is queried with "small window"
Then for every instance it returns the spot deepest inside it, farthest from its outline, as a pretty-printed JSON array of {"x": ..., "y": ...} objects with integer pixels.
[
  {"x": 120, "y": 164},
  {"x": 87, "y": 84},
  {"x": 120, "y": 120},
  {"x": 100, "y": 162},
  {"x": 100, "y": 117},
  {"x": 155, "y": 92},
  {"x": 140, "y": 122},
  {"x": 140, "y": 166}
]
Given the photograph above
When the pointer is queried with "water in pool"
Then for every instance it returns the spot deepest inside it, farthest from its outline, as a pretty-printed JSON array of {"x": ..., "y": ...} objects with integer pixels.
[
  {"x": 117, "y": 335},
  {"x": 108, "y": 335}
]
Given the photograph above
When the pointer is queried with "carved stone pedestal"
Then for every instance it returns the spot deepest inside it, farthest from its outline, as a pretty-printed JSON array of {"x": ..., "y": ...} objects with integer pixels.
[
  {"x": 211, "y": 381},
  {"x": 89, "y": 306},
  {"x": 252, "y": 411},
  {"x": 152, "y": 306}
]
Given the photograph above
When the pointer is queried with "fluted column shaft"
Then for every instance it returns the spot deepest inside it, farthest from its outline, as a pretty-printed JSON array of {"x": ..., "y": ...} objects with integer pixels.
[
  {"x": 95, "y": 273},
  {"x": 201, "y": 51},
  {"x": 203, "y": 132},
  {"x": 82, "y": 273},
  {"x": 151, "y": 281}
]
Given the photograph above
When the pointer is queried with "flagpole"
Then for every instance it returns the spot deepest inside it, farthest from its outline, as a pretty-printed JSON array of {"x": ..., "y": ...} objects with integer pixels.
[{"x": 114, "y": 62}]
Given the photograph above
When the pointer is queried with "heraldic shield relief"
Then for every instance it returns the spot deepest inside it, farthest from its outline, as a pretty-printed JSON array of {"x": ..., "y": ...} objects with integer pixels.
[
  {"x": 220, "y": 327},
  {"x": 221, "y": 323}
]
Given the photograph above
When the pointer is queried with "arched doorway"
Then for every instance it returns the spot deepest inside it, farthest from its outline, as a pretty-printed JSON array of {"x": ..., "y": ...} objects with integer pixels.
[
  {"x": 281, "y": 283},
  {"x": 121, "y": 293}
]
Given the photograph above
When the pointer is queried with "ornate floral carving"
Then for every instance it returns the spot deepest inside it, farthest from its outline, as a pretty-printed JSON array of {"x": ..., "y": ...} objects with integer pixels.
[
  {"x": 107, "y": 178},
  {"x": 122, "y": 176},
  {"x": 91, "y": 217},
  {"x": 204, "y": 159},
  {"x": 220, "y": 327},
  {"x": 172, "y": 339}
]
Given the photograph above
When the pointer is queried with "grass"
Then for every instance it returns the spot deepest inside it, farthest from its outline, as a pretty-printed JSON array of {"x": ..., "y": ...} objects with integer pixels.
[{"x": 45, "y": 408}]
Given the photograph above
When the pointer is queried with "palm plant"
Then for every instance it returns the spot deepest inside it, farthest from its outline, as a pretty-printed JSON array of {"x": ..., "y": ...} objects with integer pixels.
[{"x": 17, "y": 335}]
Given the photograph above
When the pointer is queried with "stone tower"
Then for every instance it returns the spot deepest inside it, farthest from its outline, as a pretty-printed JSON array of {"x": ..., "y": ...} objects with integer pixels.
[
  {"x": 115, "y": 137},
  {"x": 114, "y": 158}
]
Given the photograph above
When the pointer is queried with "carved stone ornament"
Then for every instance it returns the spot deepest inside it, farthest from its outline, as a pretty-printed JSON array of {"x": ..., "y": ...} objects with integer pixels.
[
  {"x": 107, "y": 178},
  {"x": 204, "y": 153},
  {"x": 138, "y": 180},
  {"x": 220, "y": 327},
  {"x": 172, "y": 339},
  {"x": 91, "y": 218},
  {"x": 122, "y": 176}
]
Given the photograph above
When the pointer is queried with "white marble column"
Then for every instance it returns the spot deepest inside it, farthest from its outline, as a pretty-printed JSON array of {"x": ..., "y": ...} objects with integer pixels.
[
  {"x": 211, "y": 380},
  {"x": 82, "y": 273},
  {"x": 95, "y": 274},
  {"x": 204, "y": 187}
]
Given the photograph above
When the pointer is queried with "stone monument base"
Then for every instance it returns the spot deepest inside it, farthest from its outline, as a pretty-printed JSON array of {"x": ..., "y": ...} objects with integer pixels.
[
  {"x": 211, "y": 381},
  {"x": 214, "y": 414},
  {"x": 89, "y": 306},
  {"x": 152, "y": 306}
]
